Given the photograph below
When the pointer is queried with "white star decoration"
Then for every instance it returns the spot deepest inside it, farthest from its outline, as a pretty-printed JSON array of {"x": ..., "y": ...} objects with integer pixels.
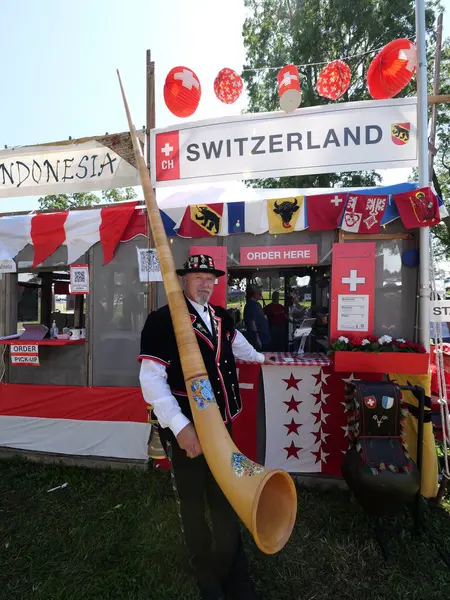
[
  {"x": 345, "y": 428},
  {"x": 323, "y": 436},
  {"x": 323, "y": 456},
  {"x": 323, "y": 417},
  {"x": 324, "y": 377},
  {"x": 344, "y": 404},
  {"x": 323, "y": 396},
  {"x": 410, "y": 54},
  {"x": 350, "y": 379}
]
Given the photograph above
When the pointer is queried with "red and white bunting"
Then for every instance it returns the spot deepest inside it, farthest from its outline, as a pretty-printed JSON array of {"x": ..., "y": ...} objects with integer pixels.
[{"x": 78, "y": 230}]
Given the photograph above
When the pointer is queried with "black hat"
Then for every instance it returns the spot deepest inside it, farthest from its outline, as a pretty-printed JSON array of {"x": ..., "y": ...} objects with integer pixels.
[{"x": 200, "y": 263}]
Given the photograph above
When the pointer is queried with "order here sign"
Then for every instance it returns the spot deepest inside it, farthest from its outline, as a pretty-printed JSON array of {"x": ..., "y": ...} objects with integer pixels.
[
  {"x": 303, "y": 254},
  {"x": 26, "y": 355}
]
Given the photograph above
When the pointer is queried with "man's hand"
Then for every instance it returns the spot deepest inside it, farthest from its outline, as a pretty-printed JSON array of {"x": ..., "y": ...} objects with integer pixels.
[
  {"x": 187, "y": 440},
  {"x": 269, "y": 358}
]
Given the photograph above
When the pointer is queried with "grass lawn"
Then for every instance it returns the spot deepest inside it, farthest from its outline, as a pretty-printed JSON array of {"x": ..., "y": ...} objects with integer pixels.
[{"x": 113, "y": 535}]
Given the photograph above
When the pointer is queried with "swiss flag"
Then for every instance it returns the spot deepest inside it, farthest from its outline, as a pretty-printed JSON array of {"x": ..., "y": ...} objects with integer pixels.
[
  {"x": 418, "y": 208},
  {"x": 324, "y": 211},
  {"x": 363, "y": 214},
  {"x": 167, "y": 156}
]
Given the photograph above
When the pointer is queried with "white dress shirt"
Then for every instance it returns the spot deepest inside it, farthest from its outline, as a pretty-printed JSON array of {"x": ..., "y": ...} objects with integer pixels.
[{"x": 156, "y": 390}]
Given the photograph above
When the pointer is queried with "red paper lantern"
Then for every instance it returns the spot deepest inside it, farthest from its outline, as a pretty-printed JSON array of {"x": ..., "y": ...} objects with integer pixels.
[
  {"x": 228, "y": 86},
  {"x": 392, "y": 69},
  {"x": 182, "y": 92},
  {"x": 289, "y": 88},
  {"x": 334, "y": 80}
]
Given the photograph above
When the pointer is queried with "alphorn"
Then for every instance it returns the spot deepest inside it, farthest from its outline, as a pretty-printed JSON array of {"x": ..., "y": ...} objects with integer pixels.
[{"x": 265, "y": 500}]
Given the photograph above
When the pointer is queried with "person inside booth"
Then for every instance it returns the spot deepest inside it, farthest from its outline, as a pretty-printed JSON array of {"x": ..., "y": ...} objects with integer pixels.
[
  {"x": 277, "y": 318},
  {"x": 256, "y": 323}
]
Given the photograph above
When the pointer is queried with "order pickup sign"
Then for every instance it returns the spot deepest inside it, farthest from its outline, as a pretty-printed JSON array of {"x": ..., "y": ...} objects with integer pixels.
[
  {"x": 26, "y": 355},
  {"x": 304, "y": 254}
]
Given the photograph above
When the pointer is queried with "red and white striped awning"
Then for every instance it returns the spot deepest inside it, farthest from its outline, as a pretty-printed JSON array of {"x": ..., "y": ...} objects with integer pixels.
[{"x": 79, "y": 230}]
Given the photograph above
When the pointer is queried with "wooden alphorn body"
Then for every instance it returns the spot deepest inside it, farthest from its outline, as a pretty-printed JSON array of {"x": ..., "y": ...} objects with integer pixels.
[{"x": 265, "y": 500}]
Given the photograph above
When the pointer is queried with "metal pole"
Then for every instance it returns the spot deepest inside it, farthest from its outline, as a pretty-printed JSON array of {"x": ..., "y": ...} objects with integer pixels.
[
  {"x": 422, "y": 140},
  {"x": 151, "y": 123}
]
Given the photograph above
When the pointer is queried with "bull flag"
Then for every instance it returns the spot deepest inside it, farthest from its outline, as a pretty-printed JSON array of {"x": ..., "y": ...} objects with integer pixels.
[
  {"x": 325, "y": 211},
  {"x": 202, "y": 220},
  {"x": 418, "y": 208},
  {"x": 286, "y": 214}
]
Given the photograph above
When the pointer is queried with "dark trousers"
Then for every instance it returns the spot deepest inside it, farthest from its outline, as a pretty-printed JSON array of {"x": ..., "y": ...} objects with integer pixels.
[{"x": 217, "y": 554}]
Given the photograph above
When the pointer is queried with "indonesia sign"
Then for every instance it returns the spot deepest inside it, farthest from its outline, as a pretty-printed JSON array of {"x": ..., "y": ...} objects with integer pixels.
[
  {"x": 376, "y": 134},
  {"x": 77, "y": 166}
]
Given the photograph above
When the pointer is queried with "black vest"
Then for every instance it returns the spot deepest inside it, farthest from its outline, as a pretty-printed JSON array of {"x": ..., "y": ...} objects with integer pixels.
[{"x": 158, "y": 343}]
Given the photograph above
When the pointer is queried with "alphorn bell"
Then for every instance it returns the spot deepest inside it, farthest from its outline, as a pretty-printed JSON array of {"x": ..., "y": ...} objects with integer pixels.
[{"x": 265, "y": 500}]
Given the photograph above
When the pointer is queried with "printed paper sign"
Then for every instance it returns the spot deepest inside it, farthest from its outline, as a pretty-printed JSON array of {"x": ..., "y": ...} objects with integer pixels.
[
  {"x": 352, "y": 136},
  {"x": 440, "y": 311},
  {"x": 79, "y": 279},
  {"x": 353, "y": 312},
  {"x": 26, "y": 355},
  {"x": 353, "y": 289},
  {"x": 7, "y": 266},
  {"x": 149, "y": 267},
  {"x": 304, "y": 254}
]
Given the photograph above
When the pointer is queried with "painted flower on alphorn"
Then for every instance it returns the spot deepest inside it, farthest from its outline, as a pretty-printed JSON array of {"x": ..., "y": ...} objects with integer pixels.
[
  {"x": 243, "y": 466},
  {"x": 203, "y": 393}
]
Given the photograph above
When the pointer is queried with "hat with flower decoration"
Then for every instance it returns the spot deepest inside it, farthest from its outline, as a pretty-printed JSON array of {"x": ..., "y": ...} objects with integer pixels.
[{"x": 200, "y": 263}]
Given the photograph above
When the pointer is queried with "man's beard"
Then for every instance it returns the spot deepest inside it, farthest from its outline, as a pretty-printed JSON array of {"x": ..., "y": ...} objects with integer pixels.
[{"x": 202, "y": 297}]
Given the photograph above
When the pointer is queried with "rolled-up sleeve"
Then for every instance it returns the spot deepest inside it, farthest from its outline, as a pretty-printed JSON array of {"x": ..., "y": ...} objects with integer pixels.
[{"x": 243, "y": 350}]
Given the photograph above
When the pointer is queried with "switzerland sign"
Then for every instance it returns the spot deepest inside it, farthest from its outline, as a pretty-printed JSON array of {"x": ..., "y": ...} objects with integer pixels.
[{"x": 376, "y": 134}]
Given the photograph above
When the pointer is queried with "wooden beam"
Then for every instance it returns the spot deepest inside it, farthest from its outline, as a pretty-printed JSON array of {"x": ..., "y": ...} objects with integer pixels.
[
  {"x": 439, "y": 99},
  {"x": 343, "y": 236}
]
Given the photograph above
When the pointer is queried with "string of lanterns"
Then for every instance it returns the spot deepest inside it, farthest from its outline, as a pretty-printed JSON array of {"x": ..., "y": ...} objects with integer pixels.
[{"x": 389, "y": 73}]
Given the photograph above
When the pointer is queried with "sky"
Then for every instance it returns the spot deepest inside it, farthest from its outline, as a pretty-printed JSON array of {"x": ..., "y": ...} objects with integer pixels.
[{"x": 60, "y": 59}]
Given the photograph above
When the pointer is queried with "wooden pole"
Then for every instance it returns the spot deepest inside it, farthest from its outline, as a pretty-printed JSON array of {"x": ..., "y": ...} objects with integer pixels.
[
  {"x": 439, "y": 99},
  {"x": 437, "y": 73},
  {"x": 150, "y": 124}
]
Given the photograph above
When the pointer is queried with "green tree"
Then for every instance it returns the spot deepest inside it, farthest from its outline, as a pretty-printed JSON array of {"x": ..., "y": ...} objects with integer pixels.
[
  {"x": 441, "y": 177},
  {"x": 313, "y": 32},
  {"x": 80, "y": 199}
]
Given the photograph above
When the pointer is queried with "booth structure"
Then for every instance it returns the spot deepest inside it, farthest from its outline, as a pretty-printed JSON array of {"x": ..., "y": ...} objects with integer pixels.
[{"x": 84, "y": 400}]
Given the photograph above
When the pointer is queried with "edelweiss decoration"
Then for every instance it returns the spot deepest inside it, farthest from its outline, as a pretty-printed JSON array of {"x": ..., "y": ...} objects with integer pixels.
[
  {"x": 243, "y": 466},
  {"x": 228, "y": 86},
  {"x": 203, "y": 393}
]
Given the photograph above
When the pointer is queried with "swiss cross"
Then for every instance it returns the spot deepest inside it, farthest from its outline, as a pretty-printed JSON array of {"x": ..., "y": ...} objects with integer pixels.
[
  {"x": 188, "y": 79},
  {"x": 287, "y": 79},
  {"x": 411, "y": 56},
  {"x": 336, "y": 200},
  {"x": 353, "y": 281},
  {"x": 167, "y": 149}
]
